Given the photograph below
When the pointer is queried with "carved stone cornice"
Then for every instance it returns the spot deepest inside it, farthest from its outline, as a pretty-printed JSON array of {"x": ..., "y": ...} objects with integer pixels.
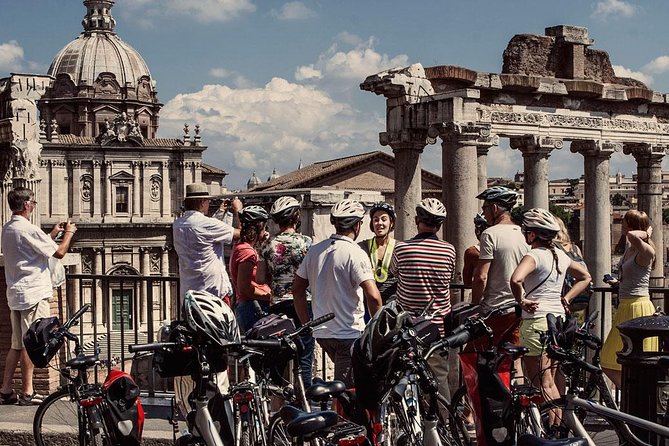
[
  {"x": 479, "y": 134},
  {"x": 646, "y": 155},
  {"x": 535, "y": 145},
  {"x": 598, "y": 148},
  {"x": 414, "y": 139}
]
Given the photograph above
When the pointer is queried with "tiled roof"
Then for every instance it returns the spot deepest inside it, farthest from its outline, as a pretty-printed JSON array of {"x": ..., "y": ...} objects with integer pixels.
[
  {"x": 89, "y": 141},
  {"x": 208, "y": 168},
  {"x": 307, "y": 175}
]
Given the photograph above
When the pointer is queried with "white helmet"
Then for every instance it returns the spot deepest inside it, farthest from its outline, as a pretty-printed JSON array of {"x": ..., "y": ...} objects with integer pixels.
[
  {"x": 431, "y": 211},
  {"x": 542, "y": 222},
  {"x": 210, "y": 317},
  {"x": 284, "y": 208},
  {"x": 346, "y": 213}
]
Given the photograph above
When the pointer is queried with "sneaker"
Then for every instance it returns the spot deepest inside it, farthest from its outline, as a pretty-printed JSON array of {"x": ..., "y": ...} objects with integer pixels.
[
  {"x": 8, "y": 398},
  {"x": 30, "y": 400}
]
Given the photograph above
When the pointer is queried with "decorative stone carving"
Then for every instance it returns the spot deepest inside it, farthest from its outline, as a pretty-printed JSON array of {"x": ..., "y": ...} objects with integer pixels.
[
  {"x": 87, "y": 262},
  {"x": 595, "y": 147},
  {"x": 467, "y": 131},
  {"x": 86, "y": 182},
  {"x": 533, "y": 144},
  {"x": 411, "y": 137},
  {"x": 144, "y": 88},
  {"x": 409, "y": 83},
  {"x": 124, "y": 128},
  {"x": 106, "y": 85},
  {"x": 156, "y": 187},
  {"x": 154, "y": 261}
]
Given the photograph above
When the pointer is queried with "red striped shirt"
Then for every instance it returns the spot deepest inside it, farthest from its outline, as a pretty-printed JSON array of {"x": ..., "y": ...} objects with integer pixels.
[{"x": 424, "y": 268}]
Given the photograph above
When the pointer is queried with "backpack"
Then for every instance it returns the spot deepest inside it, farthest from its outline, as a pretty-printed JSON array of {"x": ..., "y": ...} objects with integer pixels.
[
  {"x": 125, "y": 414},
  {"x": 581, "y": 301},
  {"x": 40, "y": 342}
]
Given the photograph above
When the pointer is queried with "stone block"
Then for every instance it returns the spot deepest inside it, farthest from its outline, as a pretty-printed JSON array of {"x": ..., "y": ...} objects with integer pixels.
[
  {"x": 614, "y": 93},
  {"x": 570, "y": 34},
  {"x": 551, "y": 86}
]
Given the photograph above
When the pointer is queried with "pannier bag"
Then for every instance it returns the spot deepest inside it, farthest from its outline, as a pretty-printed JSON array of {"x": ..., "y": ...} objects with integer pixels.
[
  {"x": 487, "y": 376},
  {"x": 170, "y": 362},
  {"x": 125, "y": 414},
  {"x": 272, "y": 325},
  {"x": 272, "y": 364},
  {"x": 39, "y": 340}
]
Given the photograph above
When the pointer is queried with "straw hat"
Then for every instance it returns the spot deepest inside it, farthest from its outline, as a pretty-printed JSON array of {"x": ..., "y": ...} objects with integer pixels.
[{"x": 196, "y": 191}]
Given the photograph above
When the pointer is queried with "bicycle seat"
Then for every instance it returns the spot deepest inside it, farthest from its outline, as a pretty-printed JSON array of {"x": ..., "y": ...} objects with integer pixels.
[
  {"x": 531, "y": 440},
  {"x": 515, "y": 351},
  {"x": 300, "y": 423},
  {"x": 321, "y": 391},
  {"x": 82, "y": 362}
]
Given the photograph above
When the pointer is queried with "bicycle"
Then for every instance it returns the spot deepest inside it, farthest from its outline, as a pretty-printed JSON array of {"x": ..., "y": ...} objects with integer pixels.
[
  {"x": 77, "y": 411},
  {"x": 577, "y": 405},
  {"x": 523, "y": 400}
]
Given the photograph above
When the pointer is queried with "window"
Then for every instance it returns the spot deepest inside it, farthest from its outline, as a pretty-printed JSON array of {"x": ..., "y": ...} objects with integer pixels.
[{"x": 121, "y": 200}]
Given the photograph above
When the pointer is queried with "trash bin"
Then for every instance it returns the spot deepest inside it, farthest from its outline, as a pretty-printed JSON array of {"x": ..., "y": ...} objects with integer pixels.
[{"x": 645, "y": 382}]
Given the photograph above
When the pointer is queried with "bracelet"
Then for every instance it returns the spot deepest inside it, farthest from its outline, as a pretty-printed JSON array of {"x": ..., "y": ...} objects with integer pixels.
[{"x": 71, "y": 232}]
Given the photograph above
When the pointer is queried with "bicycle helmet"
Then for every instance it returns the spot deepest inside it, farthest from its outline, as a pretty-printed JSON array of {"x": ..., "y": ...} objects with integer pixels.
[
  {"x": 541, "y": 222},
  {"x": 210, "y": 317},
  {"x": 431, "y": 211},
  {"x": 480, "y": 223},
  {"x": 346, "y": 213},
  {"x": 284, "y": 208},
  {"x": 252, "y": 214},
  {"x": 500, "y": 195},
  {"x": 385, "y": 207}
]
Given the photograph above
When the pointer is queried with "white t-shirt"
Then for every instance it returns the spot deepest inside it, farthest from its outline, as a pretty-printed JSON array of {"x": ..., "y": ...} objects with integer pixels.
[
  {"x": 335, "y": 268},
  {"x": 549, "y": 293},
  {"x": 27, "y": 250},
  {"x": 505, "y": 245},
  {"x": 198, "y": 241}
]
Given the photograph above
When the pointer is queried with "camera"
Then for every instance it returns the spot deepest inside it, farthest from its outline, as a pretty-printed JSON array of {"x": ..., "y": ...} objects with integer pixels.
[{"x": 608, "y": 278}]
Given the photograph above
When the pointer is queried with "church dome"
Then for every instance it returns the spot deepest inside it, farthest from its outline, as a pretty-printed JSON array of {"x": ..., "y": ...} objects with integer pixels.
[
  {"x": 99, "y": 56},
  {"x": 253, "y": 181}
]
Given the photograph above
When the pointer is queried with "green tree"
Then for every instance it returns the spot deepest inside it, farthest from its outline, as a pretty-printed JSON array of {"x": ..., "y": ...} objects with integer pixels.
[
  {"x": 617, "y": 200},
  {"x": 665, "y": 215},
  {"x": 561, "y": 212}
]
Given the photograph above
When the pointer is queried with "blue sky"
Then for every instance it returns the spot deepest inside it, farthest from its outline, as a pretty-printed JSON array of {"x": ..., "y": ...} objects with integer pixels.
[{"x": 274, "y": 82}]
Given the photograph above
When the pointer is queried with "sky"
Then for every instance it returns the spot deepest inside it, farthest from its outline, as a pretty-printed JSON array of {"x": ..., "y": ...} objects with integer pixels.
[{"x": 274, "y": 82}]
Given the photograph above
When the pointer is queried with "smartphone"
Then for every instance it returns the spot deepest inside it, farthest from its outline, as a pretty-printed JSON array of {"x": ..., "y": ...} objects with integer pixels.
[{"x": 608, "y": 278}]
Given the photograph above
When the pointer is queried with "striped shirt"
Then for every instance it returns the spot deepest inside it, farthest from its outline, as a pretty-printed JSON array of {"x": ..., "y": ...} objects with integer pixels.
[{"x": 424, "y": 267}]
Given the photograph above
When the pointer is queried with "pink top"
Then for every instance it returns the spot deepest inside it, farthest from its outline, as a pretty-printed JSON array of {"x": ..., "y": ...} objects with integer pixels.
[{"x": 244, "y": 252}]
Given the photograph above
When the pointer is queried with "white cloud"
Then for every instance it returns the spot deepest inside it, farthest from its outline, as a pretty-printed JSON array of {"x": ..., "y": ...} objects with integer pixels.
[
  {"x": 658, "y": 65},
  {"x": 293, "y": 11},
  {"x": 610, "y": 8},
  {"x": 273, "y": 126},
  {"x": 353, "y": 65},
  {"x": 205, "y": 11},
  {"x": 237, "y": 79},
  {"x": 622, "y": 71},
  {"x": 11, "y": 56},
  {"x": 307, "y": 72}
]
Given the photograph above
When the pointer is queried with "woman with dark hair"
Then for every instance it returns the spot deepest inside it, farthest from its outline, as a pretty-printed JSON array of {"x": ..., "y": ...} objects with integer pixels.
[
  {"x": 251, "y": 297},
  {"x": 536, "y": 284},
  {"x": 380, "y": 248},
  {"x": 634, "y": 270}
]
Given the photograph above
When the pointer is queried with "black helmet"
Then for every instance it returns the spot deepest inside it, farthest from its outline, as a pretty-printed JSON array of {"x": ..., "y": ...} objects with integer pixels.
[
  {"x": 346, "y": 213},
  {"x": 284, "y": 208},
  {"x": 385, "y": 207},
  {"x": 500, "y": 195},
  {"x": 431, "y": 211},
  {"x": 252, "y": 214}
]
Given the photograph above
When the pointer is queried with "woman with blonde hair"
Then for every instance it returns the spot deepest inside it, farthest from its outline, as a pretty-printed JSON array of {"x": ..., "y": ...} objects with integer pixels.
[{"x": 634, "y": 270}]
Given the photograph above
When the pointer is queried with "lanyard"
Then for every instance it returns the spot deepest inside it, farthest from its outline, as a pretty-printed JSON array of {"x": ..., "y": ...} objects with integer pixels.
[{"x": 381, "y": 271}]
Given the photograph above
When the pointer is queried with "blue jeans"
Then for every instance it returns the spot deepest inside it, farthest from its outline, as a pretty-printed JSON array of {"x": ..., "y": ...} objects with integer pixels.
[{"x": 248, "y": 312}]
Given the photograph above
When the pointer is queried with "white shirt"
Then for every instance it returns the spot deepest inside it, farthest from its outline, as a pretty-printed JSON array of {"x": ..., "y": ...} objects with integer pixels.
[
  {"x": 198, "y": 241},
  {"x": 335, "y": 268},
  {"x": 549, "y": 293},
  {"x": 26, "y": 249}
]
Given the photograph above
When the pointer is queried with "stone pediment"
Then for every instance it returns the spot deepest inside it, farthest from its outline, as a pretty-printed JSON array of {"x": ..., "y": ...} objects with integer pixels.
[
  {"x": 122, "y": 176},
  {"x": 123, "y": 130}
]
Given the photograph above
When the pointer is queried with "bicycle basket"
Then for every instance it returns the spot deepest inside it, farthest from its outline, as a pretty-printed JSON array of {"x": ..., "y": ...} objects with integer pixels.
[
  {"x": 125, "y": 414},
  {"x": 37, "y": 340},
  {"x": 170, "y": 362}
]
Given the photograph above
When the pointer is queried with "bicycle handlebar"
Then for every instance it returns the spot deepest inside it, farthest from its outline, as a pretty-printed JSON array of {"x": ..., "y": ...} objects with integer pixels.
[
  {"x": 556, "y": 352},
  {"x": 75, "y": 317},
  {"x": 151, "y": 347}
]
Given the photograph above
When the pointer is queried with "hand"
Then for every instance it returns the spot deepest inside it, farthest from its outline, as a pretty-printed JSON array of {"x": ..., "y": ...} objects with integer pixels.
[
  {"x": 236, "y": 205},
  {"x": 649, "y": 231},
  {"x": 529, "y": 305},
  {"x": 70, "y": 227}
]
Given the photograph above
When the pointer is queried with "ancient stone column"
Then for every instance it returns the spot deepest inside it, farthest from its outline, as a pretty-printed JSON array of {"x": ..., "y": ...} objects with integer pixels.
[
  {"x": 482, "y": 167},
  {"x": 536, "y": 151},
  {"x": 461, "y": 185},
  {"x": 407, "y": 146},
  {"x": 97, "y": 193},
  {"x": 649, "y": 192},
  {"x": 597, "y": 237}
]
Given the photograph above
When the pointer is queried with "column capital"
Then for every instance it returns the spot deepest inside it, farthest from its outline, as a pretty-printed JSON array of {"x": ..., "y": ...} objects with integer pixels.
[
  {"x": 469, "y": 131},
  {"x": 415, "y": 139},
  {"x": 598, "y": 148},
  {"x": 646, "y": 153},
  {"x": 535, "y": 145}
]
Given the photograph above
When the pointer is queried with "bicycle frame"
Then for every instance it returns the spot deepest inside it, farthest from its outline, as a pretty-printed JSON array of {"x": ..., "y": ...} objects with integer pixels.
[{"x": 573, "y": 422}]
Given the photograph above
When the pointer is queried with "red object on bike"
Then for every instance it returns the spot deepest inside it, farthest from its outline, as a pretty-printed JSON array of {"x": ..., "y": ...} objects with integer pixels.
[
  {"x": 125, "y": 414},
  {"x": 487, "y": 376}
]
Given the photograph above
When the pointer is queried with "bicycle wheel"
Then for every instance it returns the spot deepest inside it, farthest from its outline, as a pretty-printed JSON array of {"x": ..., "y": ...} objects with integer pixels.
[
  {"x": 399, "y": 428},
  {"x": 598, "y": 428},
  {"x": 459, "y": 410},
  {"x": 277, "y": 435},
  {"x": 60, "y": 420}
]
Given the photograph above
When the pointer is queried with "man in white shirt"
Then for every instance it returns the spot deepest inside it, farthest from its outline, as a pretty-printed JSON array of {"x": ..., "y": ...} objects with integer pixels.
[
  {"x": 27, "y": 250},
  {"x": 341, "y": 280},
  {"x": 199, "y": 240}
]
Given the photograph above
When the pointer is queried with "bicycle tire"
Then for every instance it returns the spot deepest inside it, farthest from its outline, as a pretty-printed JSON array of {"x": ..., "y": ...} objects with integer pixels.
[
  {"x": 59, "y": 419},
  {"x": 277, "y": 435},
  {"x": 459, "y": 405},
  {"x": 452, "y": 423}
]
